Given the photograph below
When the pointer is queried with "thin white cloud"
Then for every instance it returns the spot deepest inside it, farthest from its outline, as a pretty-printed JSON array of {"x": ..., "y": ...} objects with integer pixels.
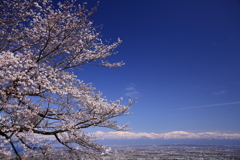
[
  {"x": 219, "y": 93},
  {"x": 130, "y": 88},
  {"x": 211, "y": 105},
  {"x": 132, "y": 94},
  {"x": 131, "y": 91},
  {"x": 169, "y": 135}
]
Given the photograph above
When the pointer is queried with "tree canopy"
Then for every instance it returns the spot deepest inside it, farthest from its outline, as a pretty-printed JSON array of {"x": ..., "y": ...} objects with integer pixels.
[{"x": 40, "y": 95}]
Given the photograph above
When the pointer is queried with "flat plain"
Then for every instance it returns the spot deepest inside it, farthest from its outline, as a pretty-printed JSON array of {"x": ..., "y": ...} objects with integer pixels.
[{"x": 193, "y": 152}]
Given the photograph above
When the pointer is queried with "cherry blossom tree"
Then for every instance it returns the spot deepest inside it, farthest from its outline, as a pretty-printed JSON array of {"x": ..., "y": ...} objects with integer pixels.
[{"x": 42, "y": 102}]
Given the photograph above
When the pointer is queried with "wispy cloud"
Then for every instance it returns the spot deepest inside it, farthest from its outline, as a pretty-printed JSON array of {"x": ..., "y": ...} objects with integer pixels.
[
  {"x": 131, "y": 91},
  {"x": 169, "y": 135},
  {"x": 211, "y": 105},
  {"x": 130, "y": 88},
  {"x": 220, "y": 92}
]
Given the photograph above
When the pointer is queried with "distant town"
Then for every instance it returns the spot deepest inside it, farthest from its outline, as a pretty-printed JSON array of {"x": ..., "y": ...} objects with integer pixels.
[{"x": 173, "y": 152}]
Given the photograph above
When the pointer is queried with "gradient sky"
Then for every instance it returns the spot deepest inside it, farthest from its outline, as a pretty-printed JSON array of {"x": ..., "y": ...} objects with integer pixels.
[{"x": 182, "y": 62}]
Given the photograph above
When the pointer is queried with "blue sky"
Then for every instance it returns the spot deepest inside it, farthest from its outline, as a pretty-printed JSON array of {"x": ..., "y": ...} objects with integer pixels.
[{"x": 182, "y": 62}]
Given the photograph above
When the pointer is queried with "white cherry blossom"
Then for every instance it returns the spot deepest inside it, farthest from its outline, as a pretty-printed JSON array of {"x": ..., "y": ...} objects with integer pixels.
[{"x": 39, "y": 93}]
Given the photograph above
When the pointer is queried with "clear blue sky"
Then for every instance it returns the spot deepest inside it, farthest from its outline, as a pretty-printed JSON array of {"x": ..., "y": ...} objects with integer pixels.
[{"x": 179, "y": 54}]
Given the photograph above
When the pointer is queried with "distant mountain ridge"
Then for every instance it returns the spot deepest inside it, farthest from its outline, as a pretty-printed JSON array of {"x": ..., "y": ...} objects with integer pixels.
[
  {"x": 167, "y": 136},
  {"x": 230, "y": 142}
]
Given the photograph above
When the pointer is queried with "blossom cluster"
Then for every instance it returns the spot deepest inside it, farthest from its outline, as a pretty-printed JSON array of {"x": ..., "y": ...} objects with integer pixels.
[{"x": 39, "y": 93}]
